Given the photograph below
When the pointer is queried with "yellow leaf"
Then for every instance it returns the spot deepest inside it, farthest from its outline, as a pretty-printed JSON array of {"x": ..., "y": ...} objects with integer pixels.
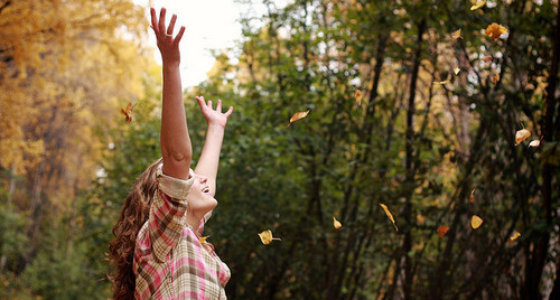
[
  {"x": 534, "y": 143},
  {"x": 202, "y": 240},
  {"x": 476, "y": 221},
  {"x": 336, "y": 223},
  {"x": 298, "y": 116},
  {"x": 457, "y": 70},
  {"x": 358, "y": 96},
  {"x": 388, "y": 213},
  {"x": 514, "y": 236},
  {"x": 521, "y": 135},
  {"x": 456, "y": 34},
  {"x": 494, "y": 31},
  {"x": 266, "y": 237},
  {"x": 442, "y": 230},
  {"x": 442, "y": 82},
  {"x": 478, "y": 4}
]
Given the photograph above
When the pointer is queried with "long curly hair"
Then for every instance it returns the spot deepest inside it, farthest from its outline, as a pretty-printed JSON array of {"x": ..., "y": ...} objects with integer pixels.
[{"x": 134, "y": 213}]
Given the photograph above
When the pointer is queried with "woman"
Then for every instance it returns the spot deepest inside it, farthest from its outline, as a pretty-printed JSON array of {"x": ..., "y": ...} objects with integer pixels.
[{"x": 157, "y": 250}]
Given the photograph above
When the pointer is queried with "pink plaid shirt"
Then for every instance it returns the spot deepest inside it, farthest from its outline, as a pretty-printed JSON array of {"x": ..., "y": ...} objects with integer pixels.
[{"x": 169, "y": 260}]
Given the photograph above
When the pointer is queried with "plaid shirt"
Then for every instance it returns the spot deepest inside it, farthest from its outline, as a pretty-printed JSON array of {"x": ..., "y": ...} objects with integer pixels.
[{"x": 169, "y": 260}]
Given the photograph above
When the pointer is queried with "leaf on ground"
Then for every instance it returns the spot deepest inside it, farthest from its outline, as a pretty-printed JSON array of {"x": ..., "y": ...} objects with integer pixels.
[
  {"x": 388, "y": 213},
  {"x": 495, "y": 30},
  {"x": 266, "y": 237},
  {"x": 442, "y": 230},
  {"x": 478, "y": 4},
  {"x": 336, "y": 223},
  {"x": 476, "y": 221},
  {"x": 298, "y": 116},
  {"x": 521, "y": 135}
]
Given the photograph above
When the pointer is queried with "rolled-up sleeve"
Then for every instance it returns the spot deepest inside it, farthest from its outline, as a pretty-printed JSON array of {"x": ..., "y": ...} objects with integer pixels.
[{"x": 167, "y": 213}]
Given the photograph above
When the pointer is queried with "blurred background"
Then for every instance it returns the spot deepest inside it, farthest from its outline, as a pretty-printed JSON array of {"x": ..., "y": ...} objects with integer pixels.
[{"x": 411, "y": 104}]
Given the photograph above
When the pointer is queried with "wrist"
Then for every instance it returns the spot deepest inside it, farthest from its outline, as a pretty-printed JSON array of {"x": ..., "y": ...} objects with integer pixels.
[
  {"x": 170, "y": 65},
  {"x": 216, "y": 126}
]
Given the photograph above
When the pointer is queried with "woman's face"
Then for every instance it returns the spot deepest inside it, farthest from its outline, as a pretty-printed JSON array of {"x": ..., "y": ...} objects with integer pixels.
[{"x": 199, "y": 199}]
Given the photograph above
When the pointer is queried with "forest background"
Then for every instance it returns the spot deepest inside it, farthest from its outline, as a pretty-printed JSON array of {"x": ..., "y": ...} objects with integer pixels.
[{"x": 404, "y": 110}]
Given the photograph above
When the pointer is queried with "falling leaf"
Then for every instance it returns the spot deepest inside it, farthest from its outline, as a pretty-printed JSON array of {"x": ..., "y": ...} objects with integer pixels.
[
  {"x": 530, "y": 86},
  {"x": 487, "y": 58},
  {"x": 456, "y": 34},
  {"x": 534, "y": 143},
  {"x": 442, "y": 82},
  {"x": 202, "y": 240},
  {"x": 336, "y": 223},
  {"x": 521, "y": 135},
  {"x": 471, "y": 199},
  {"x": 358, "y": 96},
  {"x": 442, "y": 230},
  {"x": 478, "y": 4},
  {"x": 457, "y": 70},
  {"x": 127, "y": 112},
  {"x": 495, "y": 78},
  {"x": 266, "y": 237},
  {"x": 494, "y": 31},
  {"x": 476, "y": 221},
  {"x": 388, "y": 213},
  {"x": 514, "y": 236},
  {"x": 298, "y": 116}
]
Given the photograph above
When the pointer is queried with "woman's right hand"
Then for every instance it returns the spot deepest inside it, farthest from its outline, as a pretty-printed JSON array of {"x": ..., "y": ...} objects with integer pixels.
[{"x": 167, "y": 44}]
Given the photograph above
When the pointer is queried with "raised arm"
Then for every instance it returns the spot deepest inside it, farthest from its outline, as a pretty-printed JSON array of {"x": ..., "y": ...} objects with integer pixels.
[
  {"x": 210, "y": 157},
  {"x": 175, "y": 142}
]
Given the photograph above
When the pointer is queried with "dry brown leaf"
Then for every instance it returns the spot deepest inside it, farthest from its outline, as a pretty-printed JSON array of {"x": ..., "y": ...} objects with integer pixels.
[
  {"x": 471, "y": 199},
  {"x": 521, "y": 135},
  {"x": 388, "y": 213},
  {"x": 494, "y": 31},
  {"x": 127, "y": 112},
  {"x": 266, "y": 237},
  {"x": 478, "y": 4},
  {"x": 420, "y": 219},
  {"x": 534, "y": 143},
  {"x": 442, "y": 230},
  {"x": 456, "y": 34},
  {"x": 298, "y": 116},
  {"x": 476, "y": 221},
  {"x": 336, "y": 223}
]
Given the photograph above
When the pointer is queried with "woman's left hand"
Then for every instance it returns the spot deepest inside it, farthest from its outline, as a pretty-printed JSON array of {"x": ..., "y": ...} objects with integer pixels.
[{"x": 213, "y": 116}]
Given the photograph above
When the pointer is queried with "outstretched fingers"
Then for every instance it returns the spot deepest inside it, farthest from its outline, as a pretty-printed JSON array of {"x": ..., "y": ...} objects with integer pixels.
[
  {"x": 219, "y": 106},
  {"x": 171, "y": 25},
  {"x": 179, "y": 35},
  {"x": 154, "y": 20},
  {"x": 161, "y": 24},
  {"x": 229, "y": 111}
]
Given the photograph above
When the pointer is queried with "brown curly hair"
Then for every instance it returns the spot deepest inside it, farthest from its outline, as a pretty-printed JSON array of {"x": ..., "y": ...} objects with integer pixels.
[{"x": 134, "y": 214}]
